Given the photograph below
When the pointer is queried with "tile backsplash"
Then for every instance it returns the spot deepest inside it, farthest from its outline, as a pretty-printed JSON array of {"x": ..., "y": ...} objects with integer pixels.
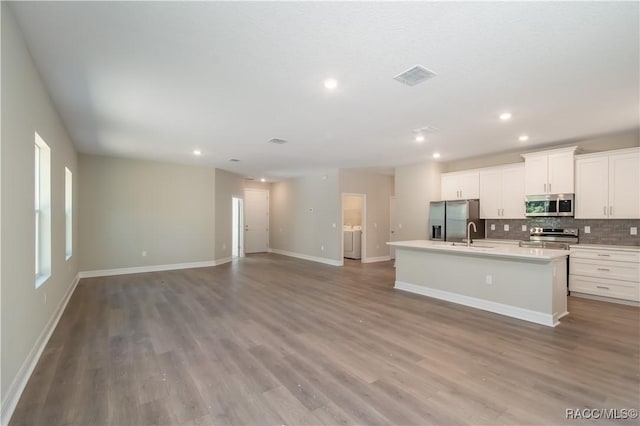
[{"x": 603, "y": 231}]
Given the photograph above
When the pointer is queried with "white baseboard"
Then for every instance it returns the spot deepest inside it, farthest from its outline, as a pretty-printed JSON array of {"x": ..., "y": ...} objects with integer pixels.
[
  {"x": 11, "y": 398},
  {"x": 151, "y": 268},
  {"x": 307, "y": 257},
  {"x": 219, "y": 261},
  {"x": 486, "y": 305},
  {"x": 376, "y": 259}
]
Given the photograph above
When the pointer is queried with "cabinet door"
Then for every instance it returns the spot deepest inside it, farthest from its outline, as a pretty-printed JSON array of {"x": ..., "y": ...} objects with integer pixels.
[
  {"x": 513, "y": 193},
  {"x": 560, "y": 173},
  {"x": 592, "y": 187},
  {"x": 624, "y": 186},
  {"x": 491, "y": 194},
  {"x": 470, "y": 185},
  {"x": 449, "y": 187},
  {"x": 535, "y": 175}
]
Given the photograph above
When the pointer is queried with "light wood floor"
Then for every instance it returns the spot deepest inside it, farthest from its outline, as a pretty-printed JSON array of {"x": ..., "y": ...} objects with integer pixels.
[{"x": 274, "y": 340}]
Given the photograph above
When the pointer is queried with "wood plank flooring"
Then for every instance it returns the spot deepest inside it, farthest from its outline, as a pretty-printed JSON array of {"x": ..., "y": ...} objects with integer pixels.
[{"x": 274, "y": 340}]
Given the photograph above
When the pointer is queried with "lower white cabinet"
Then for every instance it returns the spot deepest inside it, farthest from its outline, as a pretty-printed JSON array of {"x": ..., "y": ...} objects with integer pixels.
[{"x": 612, "y": 272}]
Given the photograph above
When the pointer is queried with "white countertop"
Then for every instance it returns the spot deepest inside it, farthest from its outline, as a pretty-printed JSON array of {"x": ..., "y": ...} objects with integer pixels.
[
  {"x": 607, "y": 247},
  {"x": 483, "y": 248}
]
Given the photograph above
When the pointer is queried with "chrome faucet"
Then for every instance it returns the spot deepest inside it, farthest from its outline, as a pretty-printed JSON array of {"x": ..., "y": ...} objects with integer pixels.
[{"x": 469, "y": 232}]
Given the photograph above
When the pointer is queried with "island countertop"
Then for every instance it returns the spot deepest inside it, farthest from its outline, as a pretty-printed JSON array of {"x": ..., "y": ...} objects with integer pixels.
[{"x": 482, "y": 248}]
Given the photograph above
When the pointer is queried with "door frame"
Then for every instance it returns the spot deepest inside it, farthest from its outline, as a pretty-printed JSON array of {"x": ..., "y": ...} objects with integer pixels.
[
  {"x": 363, "y": 245},
  {"x": 239, "y": 201}
]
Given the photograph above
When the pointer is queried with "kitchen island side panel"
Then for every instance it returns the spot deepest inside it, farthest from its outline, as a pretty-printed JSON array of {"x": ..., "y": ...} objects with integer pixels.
[{"x": 527, "y": 286}]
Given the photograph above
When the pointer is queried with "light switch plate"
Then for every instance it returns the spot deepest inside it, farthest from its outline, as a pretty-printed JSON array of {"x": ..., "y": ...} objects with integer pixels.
[
  {"x": 524, "y": 228},
  {"x": 493, "y": 226},
  {"x": 587, "y": 229},
  {"x": 506, "y": 226},
  {"x": 633, "y": 230}
]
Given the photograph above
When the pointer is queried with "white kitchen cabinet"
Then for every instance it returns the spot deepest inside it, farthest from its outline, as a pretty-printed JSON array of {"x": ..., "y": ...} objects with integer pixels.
[
  {"x": 460, "y": 185},
  {"x": 549, "y": 172},
  {"x": 502, "y": 192},
  {"x": 606, "y": 271},
  {"x": 608, "y": 185}
]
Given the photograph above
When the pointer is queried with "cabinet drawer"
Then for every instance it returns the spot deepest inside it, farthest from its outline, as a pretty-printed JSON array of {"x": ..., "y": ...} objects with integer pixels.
[
  {"x": 618, "y": 256},
  {"x": 605, "y": 269},
  {"x": 604, "y": 287}
]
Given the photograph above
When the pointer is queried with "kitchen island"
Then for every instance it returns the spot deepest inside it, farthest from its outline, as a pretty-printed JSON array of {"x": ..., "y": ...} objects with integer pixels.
[{"x": 525, "y": 283}]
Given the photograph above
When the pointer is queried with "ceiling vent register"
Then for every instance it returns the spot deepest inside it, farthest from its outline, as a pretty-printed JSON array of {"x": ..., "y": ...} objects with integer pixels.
[
  {"x": 277, "y": 141},
  {"x": 415, "y": 75}
]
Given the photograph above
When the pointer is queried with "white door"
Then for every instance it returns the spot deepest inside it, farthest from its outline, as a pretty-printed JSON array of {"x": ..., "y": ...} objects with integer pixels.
[
  {"x": 512, "y": 193},
  {"x": 449, "y": 187},
  {"x": 535, "y": 175},
  {"x": 491, "y": 194},
  {"x": 469, "y": 185},
  {"x": 560, "y": 174},
  {"x": 256, "y": 220}
]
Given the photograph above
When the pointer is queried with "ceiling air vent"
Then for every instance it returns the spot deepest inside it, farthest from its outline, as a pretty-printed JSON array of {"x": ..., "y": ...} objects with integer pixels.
[
  {"x": 234, "y": 160},
  {"x": 426, "y": 129},
  {"x": 277, "y": 141},
  {"x": 414, "y": 75},
  {"x": 249, "y": 178}
]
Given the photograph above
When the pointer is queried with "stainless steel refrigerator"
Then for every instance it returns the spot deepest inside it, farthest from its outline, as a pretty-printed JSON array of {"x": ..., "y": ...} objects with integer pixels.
[{"x": 448, "y": 220}]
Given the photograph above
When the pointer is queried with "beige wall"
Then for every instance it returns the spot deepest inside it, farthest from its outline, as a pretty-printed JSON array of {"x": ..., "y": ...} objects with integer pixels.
[
  {"x": 130, "y": 206},
  {"x": 295, "y": 228},
  {"x": 26, "y": 108},
  {"x": 228, "y": 185},
  {"x": 618, "y": 140},
  {"x": 378, "y": 189},
  {"x": 415, "y": 186}
]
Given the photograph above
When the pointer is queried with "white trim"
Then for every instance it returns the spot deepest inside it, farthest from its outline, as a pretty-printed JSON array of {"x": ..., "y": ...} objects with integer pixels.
[
  {"x": 16, "y": 388},
  {"x": 219, "y": 261},
  {"x": 376, "y": 259},
  {"x": 486, "y": 305},
  {"x": 151, "y": 268},
  {"x": 307, "y": 257},
  {"x": 604, "y": 298}
]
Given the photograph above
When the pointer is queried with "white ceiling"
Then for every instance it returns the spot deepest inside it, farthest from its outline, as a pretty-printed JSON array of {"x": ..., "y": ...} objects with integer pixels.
[{"x": 159, "y": 79}]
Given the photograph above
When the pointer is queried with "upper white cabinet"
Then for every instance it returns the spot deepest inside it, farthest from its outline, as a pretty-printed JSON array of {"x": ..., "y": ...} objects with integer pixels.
[
  {"x": 502, "y": 192},
  {"x": 459, "y": 185},
  {"x": 608, "y": 185},
  {"x": 549, "y": 172}
]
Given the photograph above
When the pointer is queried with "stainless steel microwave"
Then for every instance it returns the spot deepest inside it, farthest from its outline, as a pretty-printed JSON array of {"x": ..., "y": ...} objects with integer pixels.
[{"x": 549, "y": 205}]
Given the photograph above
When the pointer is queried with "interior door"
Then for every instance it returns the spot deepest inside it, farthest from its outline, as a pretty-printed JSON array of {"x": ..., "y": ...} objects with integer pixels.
[
  {"x": 256, "y": 220},
  {"x": 392, "y": 226}
]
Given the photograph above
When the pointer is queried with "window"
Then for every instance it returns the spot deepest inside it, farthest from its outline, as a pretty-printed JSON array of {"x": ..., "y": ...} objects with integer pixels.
[
  {"x": 42, "y": 202},
  {"x": 68, "y": 212}
]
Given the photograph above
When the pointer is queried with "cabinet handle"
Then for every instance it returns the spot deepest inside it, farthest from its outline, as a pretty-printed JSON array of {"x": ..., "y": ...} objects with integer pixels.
[
  {"x": 604, "y": 210},
  {"x": 549, "y": 188},
  {"x": 498, "y": 212},
  {"x": 610, "y": 210},
  {"x": 604, "y": 255},
  {"x": 603, "y": 287},
  {"x": 502, "y": 212},
  {"x": 545, "y": 188},
  {"x": 604, "y": 269}
]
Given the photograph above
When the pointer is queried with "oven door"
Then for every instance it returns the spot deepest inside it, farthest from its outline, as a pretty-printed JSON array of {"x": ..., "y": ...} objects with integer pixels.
[{"x": 541, "y": 205}]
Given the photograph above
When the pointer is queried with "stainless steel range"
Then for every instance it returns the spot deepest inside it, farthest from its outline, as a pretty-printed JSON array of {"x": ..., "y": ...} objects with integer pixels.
[{"x": 551, "y": 238}]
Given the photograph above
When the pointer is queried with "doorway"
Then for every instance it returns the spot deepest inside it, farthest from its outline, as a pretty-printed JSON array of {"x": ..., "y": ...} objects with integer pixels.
[
  {"x": 354, "y": 239},
  {"x": 256, "y": 220},
  {"x": 237, "y": 223}
]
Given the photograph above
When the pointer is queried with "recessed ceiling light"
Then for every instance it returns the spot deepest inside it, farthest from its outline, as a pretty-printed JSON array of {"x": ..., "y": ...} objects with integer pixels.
[
  {"x": 523, "y": 138},
  {"x": 263, "y": 180},
  {"x": 197, "y": 152},
  {"x": 505, "y": 116},
  {"x": 436, "y": 155},
  {"x": 420, "y": 138},
  {"x": 331, "y": 83}
]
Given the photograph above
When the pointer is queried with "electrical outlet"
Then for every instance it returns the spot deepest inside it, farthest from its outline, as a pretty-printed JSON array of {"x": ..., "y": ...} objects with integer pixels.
[
  {"x": 144, "y": 253},
  {"x": 224, "y": 246},
  {"x": 334, "y": 225},
  {"x": 488, "y": 279},
  {"x": 399, "y": 226},
  {"x": 375, "y": 225},
  {"x": 524, "y": 228},
  {"x": 633, "y": 230},
  {"x": 493, "y": 226},
  {"x": 45, "y": 298},
  {"x": 321, "y": 248},
  {"x": 587, "y": 229},
  {"x": 506, "y": 226}
]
